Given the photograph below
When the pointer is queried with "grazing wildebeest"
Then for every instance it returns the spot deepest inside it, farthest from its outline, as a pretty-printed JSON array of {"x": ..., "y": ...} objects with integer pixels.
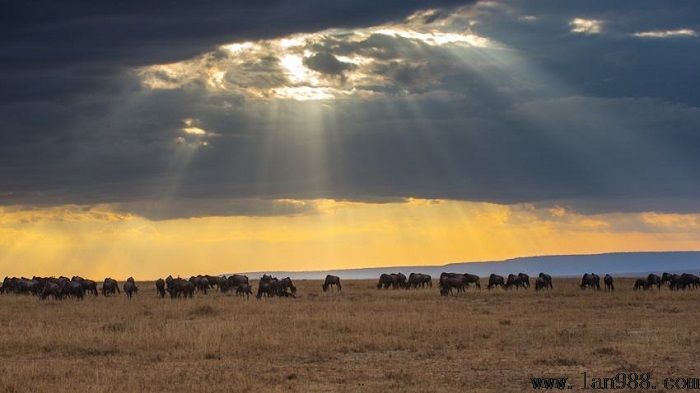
[
  {"x": 641, "y": 284},
  {"x": 386, "y": 281},
  {"x": 421, "y": 280},
  {"x": 330, "y": 282},
  {"x": 160, "y": 287},
  {"x": 514, "y": 281},
  {"x": 401, "y": 281},
  {"x": 667, "y": 277},
  {"x": 201, "y": 283},
  {"x": 274, "y": 287},
  {"x": 591, "y": 281},
  {"x": 540, "y": 283},
  {"x": 495, "y": 281},
  {"x": 286, "y": 283},
  {"x": 472, "y": 279},
  {"x": 547, "y": 279},
  {"x": 525, "y": 279},
  {"x": 52, "y": 289},
  {"x": 448, "y": 283},
  {"x": 684, "y": 281},
  {"x": 608, "y": 280},
  {"x": 110, "y": 287},
  {"x": 72, "y": 289},
  {"x": 130, "y": 287},
  {"x": 244, "y": 290},
  {"x": 653, "y": 279},
  {"x": 177, "y": 287},
  {"x": 89, "y": 286}
]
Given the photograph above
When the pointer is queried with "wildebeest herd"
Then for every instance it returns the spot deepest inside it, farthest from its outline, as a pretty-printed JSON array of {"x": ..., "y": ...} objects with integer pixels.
[{"x": 269, "y": 286}]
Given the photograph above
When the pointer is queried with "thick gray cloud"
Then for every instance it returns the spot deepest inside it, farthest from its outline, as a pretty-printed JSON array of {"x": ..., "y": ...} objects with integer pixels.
[{"x": 598, "y": 122}]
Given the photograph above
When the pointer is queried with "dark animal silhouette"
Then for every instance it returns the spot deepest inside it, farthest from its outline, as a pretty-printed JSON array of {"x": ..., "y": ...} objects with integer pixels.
[
  {"x": 653, "y": 279},
  {"x": 130, "y": 288},
  {"x": 244, "y": 290},
  {"x": 641, "y": 284},
  {"x": 524, "y": 279},
  {"x": 590, "y": 280},
  {"x": 540, "y": 284},
  {"x": 547, "y": 279},
  {"x": 514, "y": 281},
  {"x": 386, "y": 281},
  {"x": 330, "y": 282},
  {"x": 160, "y": 287},
  {"x": 110, "y": 287},
  {"x": 419, "y": 280},
  {"x": 609, "y": 285},
  {"x": 496, "y": 281}
]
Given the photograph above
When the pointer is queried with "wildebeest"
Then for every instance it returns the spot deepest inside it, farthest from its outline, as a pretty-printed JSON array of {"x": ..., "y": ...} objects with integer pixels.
[
  {"x": 89, "y": 286},
  {"x": 244, "y": 290},
  {"x": 590, "y": 280},
  {"x": 178, "y": 287},
  {"x": 421, "y": 280},
  {"x": 525, "y": 279},
  {"x": 547, "y": 279},
  {"x": 110, "y": 287},
  {"x": 540, "y": 283},
  {"x": 233, "y": 282},
  {"x": 495, "y": 281},
  {"x": 448, "y": 282},
  {"x": 271, "y": 287},
  {"x": 51, "y": 289},
  {"x": 515, "y": 281},
  {"x": 330, "y": 282},
  {"x": 653, "y": 279},
  {"x": 472, "y": 279},
  {"x": 608, "y": 280},
  {"x": 684, "y": 281},
  {"x": 386, "y": 281},
  {"x": 130, "y": 287},
  {"x": 160, "y": 287},
  {"x": 641, "y": 284},
  {"x": 72, "y": 289},
  {"x": 201, "y": 283}
]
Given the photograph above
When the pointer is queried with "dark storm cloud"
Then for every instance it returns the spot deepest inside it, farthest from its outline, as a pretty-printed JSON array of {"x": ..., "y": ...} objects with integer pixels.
[
  {"x": 605, "y": 122},
  {"x": 326, "y": 63}
]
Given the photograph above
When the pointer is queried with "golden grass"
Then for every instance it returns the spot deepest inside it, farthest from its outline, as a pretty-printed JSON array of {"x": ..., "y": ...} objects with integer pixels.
[{"x": 361, "y": 339}]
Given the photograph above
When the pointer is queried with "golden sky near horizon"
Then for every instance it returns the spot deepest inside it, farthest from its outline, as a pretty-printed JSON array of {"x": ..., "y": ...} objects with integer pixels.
[{"x": 98, "y": 241}]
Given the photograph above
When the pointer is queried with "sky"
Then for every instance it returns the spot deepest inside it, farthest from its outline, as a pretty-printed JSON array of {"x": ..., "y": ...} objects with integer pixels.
[{"x": 146, "y": 139}]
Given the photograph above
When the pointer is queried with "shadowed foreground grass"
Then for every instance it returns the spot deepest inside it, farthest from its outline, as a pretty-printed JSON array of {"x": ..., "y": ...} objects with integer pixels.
[{"x": 362, "y": 339}]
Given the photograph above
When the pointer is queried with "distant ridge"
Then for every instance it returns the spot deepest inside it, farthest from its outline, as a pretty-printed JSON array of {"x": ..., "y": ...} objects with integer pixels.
[{"x": 627, "y": 264}]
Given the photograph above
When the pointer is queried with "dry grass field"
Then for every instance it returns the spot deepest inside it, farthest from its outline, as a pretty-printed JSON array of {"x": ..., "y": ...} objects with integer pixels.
[{"x": 361, "y": 339}]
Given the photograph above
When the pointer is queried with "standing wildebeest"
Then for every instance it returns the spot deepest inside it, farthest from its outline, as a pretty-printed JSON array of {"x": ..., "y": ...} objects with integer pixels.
[
  {"x": 110, "y": 287},
  {"x": 416, "y": 280},
  {"x": 684, "y": 281},
  {"x": 547, "y": 279},
  {"x": 177, "y": 287},
  {"x": 273, "y": 287},
  {"x": 244, "y": 290},
  {"x": 400, "y": 280},
  {"x": 72, "y": 289},
  {"x": 667, "y": 277},
  {"x": 495, "y": 281},
  {"x": 52, "y": 289},
  {"x": 540, "y": 283},
  {"x": 201, "y": 283},
  {"x": 608, "y": 280},
  {"x": 514, "y": 281},
  {"x": 591, "y": 281},
  {"x": 386, "y": 281},
  {"x": 653, "y": 279},
  {"x": 89, "y": 286},
  {"x": 130, "y": 287},
  {"x": 448, "y": 282},
  {"x": 330, "y": 282},
  {"x": 472, "y": 279},
  {"x": 525, "y": 279},
  {"x": 641, "y": 284},
  {"x": 160, "y": 287}
]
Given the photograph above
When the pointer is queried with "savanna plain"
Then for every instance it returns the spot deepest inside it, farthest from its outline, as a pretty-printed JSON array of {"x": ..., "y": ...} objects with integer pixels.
[{"x": 359, "y": 339}]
